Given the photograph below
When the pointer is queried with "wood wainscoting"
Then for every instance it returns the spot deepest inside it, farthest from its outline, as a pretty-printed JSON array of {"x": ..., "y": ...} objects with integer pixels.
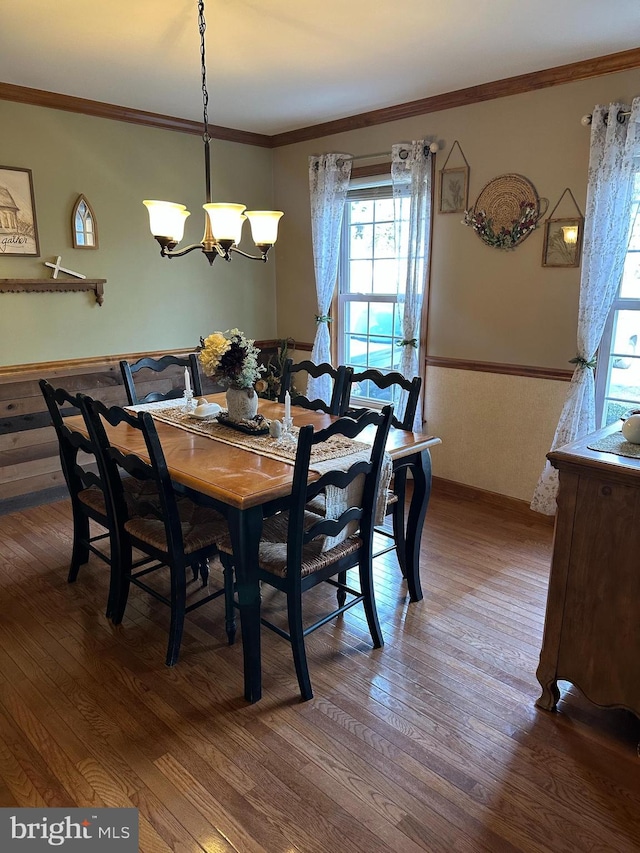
[{"x": 30, "y": 472}]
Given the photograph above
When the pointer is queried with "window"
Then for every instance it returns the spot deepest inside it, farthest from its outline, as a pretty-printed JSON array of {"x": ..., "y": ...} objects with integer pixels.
[
  {"x": 618, "y": 373},
  {"x": 370, "y": 285}
]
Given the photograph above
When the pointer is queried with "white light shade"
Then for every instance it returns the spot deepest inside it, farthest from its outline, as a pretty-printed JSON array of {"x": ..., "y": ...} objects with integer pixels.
[
  {"x": 238, "y": 236},
  {"x": 167, "y": 219},
  {"x": 226, "y": 220},
  {"x": 570, "y": 234},
  {"x": 264, "y": 226}
]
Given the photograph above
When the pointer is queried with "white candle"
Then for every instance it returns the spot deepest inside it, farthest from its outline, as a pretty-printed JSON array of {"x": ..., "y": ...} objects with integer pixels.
[
  {"x": 187, "y": 381},
  {"x": 287, "y": 404}
]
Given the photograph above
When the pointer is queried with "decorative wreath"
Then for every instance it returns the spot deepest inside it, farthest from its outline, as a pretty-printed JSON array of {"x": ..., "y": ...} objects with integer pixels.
[
  {"x": 504, "y": 238},
  {"x": 506, "y": 211}
]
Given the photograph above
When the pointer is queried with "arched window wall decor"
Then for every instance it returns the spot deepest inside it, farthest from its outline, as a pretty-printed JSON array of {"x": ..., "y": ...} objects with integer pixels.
[{"x": 84, "y": 229}]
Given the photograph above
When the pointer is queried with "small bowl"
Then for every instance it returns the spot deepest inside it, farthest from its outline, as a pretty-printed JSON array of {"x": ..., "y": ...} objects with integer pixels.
[{"x": 206, "y": 410}]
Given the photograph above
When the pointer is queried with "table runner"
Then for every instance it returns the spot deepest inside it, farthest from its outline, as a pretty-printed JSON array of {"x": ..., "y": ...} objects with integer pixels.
[
  {"x": 337, "y": 447},
  {"x": 264, "y": 445}
]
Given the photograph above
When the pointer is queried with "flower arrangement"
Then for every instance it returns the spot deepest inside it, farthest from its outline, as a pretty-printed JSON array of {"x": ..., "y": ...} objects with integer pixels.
[
  {"x": 230, "y": 359},
  {"x": 505, "y": 238}
]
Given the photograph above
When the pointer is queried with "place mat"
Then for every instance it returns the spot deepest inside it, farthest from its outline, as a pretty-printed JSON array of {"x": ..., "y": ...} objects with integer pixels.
[
  {"x": 616, "y": 443},
  {"x": 265, "y": 445}
]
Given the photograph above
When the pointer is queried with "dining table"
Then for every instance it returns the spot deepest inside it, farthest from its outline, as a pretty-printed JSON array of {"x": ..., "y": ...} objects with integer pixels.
[{"x": 247, "y": 486}]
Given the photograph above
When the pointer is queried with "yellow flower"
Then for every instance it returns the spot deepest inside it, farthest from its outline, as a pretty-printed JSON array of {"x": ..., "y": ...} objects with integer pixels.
[{"x": 215, "y": 346}]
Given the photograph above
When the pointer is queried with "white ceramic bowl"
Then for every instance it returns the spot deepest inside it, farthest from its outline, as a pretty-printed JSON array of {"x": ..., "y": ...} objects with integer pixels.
[
  {"x": 631, "y": 429},
  {"x": 206, "y": 410}
]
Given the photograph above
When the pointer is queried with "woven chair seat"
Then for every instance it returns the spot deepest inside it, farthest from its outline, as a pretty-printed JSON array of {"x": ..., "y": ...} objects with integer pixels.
[
  {"x": 141, "y": 497},
  {"x": 94, "y": 498},
  {"x": 272, "y": 553},
  {"x": 201, "y": 527}
]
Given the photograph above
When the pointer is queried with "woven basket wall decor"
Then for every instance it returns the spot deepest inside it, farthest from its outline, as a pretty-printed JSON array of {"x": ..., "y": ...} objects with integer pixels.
[{"x": 506, "y": 211}]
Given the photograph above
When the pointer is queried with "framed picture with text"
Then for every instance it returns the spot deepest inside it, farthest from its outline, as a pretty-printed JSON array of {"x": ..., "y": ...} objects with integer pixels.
[{"x": 18, "y": 227}]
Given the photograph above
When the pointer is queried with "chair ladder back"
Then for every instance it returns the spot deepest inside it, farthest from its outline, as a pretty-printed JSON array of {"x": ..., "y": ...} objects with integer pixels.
[
  {"x": 157, "y": 365},
  {"x": 302, "y": 492},
  {"x": 389, "y": 380},
  {"x": 339, "y": 375},
  {"x": 155, "y": 470},
  {"x": 70, "y": 442}
]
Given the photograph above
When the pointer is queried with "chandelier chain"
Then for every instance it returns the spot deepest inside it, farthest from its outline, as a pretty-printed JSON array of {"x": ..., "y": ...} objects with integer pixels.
[{"x": 202, "y": 26}]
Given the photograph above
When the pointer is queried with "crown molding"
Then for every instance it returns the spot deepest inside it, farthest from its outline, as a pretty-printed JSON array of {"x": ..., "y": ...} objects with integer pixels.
[
  {"x": 583, "y": 70},
  {"x": 54, "y": 101}
]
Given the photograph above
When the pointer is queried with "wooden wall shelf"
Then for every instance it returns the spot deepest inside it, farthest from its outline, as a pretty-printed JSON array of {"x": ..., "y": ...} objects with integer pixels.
[{"x": 53, "y": 285}]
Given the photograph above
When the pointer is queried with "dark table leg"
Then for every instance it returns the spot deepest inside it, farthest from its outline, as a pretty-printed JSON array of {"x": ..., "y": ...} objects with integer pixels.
[
  {"x": 420, "y": 467},
  {"x": 245, "y": 527}
]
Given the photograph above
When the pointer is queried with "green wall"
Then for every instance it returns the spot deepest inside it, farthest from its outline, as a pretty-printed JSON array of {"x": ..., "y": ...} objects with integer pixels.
[{"x": 151, "y": 303}]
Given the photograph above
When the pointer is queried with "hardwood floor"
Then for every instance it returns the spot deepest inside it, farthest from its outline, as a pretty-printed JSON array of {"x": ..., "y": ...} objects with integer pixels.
[{"x": 431, "y": 743}]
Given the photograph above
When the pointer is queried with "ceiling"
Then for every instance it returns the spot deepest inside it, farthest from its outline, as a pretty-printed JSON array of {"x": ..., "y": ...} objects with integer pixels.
[{"x": 277, "y": 65}]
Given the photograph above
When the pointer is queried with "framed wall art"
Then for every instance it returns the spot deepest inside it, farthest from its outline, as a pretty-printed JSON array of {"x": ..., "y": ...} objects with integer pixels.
[
  {"x": 18, "y": 227},
  {"x": 84, "y": 228},
  {"x": 562, "y": 242},
  {"x": 454, "y": 184}
]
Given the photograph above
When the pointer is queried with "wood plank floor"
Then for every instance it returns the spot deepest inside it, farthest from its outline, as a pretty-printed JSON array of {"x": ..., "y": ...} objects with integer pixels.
[{"x": 431, "y": 743}]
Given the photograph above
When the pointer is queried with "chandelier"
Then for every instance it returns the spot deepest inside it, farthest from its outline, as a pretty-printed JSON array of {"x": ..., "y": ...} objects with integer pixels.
[{"x": 223, "y": 220}]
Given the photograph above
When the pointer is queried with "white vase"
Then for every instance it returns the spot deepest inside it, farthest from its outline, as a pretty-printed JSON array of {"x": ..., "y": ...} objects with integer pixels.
[
  {"x": 631, "y": 429},
  {"x": 242, "y": 404}
]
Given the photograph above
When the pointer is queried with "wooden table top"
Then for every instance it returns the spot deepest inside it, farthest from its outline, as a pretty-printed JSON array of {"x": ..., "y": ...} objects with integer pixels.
[
  {"x": 237, "y": 477},
  {"x": 579, "y": 453}
]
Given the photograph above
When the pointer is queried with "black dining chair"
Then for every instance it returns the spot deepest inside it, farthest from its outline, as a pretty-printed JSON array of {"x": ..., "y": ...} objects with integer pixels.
[
  {"x": 339, "y": 377},
  {"x": 397, "y": 383},
  {"x": 299, "y": 549},
  {"x": 87, "y": 489},
  {"x": 175, "y": 533},
  {"x": 157, "y": 365}
]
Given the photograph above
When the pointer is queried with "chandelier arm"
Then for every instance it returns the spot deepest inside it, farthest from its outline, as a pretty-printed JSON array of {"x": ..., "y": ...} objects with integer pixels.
[
  {"x": 262, "y": 257},
  {"x": 168, "y": 253}
]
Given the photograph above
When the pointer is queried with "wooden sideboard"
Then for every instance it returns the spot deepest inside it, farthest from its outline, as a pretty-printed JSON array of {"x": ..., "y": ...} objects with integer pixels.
[{"x": 592, "y": 625}]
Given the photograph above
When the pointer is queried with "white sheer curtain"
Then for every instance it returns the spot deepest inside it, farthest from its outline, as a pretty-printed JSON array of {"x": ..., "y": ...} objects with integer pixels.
[
  {"x": 615, "y": 147},
  {"x": 329, "y": 176},
  {"x": 411, "y": 178}
]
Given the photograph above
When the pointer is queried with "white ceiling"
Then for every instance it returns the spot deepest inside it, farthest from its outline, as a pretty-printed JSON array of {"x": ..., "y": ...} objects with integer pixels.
[{"x": 276, "y": 65}]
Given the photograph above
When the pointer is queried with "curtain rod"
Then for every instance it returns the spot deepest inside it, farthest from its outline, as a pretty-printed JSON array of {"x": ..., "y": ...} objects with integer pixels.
[
  {"x": 585, "y": 121},
  {"x": 432, "y": 148}
]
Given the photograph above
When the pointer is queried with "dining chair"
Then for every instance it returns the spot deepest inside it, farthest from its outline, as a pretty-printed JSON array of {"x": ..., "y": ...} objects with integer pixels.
[
  {"x": 157, "y": 365},
  {"x": 299, "y": 549},
  {"x": 87, "y": 488},
  {"x": 396, "y": 499},
  {"x": 175, "y": 533},
  {"x": 339, "y": 375}
]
